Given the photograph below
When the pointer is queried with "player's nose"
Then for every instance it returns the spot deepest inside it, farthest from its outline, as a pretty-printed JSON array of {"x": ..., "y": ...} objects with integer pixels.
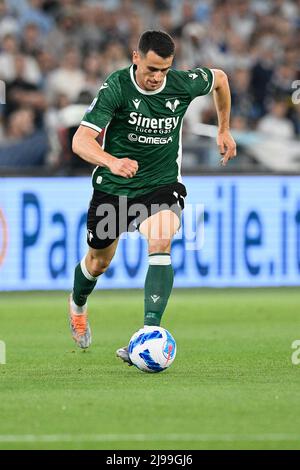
[{"x": 158, "y": 76}]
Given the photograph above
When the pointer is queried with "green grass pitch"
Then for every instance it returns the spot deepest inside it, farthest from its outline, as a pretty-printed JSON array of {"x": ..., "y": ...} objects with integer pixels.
[{"x": 232, "y": 385}]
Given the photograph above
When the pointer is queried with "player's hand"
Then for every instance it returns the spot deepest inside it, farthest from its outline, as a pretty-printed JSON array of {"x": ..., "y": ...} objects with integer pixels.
[
  {"x": 124, "y": 167},
  {"x": 227, "y": 146}
]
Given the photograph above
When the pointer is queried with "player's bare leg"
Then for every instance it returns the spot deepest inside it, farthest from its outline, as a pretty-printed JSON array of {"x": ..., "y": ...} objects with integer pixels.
[
  {"x": 87, "y": 273},
  {"x": 159, "y": 230}
]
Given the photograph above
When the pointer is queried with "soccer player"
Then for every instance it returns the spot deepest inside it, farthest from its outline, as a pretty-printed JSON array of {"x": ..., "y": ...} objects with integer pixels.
[{"x": 141, "y": 109}]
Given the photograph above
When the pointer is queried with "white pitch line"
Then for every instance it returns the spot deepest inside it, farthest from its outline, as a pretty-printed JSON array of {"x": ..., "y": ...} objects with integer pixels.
[{"x": 149, "y": 438}]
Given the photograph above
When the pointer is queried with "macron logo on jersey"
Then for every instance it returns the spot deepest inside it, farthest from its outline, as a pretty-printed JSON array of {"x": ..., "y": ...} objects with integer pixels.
[{"x": 136, "y": 103}]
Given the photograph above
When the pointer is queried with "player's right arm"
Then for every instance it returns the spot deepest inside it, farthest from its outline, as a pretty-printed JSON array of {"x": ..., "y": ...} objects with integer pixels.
[
  {"x": 86, "y": 146},
  {"x": 98, "y": 116}
]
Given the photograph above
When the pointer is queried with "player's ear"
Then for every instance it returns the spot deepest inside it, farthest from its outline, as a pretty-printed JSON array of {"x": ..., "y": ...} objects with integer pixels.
[{"x": 135, "y": 57}]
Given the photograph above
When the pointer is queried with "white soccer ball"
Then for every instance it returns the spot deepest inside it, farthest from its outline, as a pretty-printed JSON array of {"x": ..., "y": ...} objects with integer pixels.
[{"x": 152, "y": 349}]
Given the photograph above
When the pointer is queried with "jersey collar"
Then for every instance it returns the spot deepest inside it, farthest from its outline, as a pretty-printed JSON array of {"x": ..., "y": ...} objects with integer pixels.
[{"x": 145, "y": 92}]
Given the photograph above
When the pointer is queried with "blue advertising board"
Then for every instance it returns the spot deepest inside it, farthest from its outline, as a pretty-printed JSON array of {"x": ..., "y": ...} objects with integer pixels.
[{"x": 237, "y": 231}]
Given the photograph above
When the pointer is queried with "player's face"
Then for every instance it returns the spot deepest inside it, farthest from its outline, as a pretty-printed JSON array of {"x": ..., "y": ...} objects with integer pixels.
[{"x": 151, "y": 69}]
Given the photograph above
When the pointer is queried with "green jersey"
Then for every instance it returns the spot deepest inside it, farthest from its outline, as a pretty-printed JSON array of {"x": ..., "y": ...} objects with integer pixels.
[{"x": 144, "y": 126}]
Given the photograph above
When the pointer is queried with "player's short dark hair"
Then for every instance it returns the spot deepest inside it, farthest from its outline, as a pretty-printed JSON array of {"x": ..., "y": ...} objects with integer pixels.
[{"x": 157, "y": 41}]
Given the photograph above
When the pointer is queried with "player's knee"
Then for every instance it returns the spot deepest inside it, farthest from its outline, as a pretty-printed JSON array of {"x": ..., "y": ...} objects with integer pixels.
[
  {"x": 98, "y": 266},
  {"x": 159, "y": 246}
]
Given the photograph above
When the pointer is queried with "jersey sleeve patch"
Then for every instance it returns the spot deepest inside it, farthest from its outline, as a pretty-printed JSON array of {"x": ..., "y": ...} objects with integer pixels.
[
  {"x": 200, "y": 81},
  {"x": 103, "y": 107}
]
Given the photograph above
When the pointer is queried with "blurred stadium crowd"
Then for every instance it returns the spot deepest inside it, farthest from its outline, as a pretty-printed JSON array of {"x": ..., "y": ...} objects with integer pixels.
[{"x": 55, "y": 54}]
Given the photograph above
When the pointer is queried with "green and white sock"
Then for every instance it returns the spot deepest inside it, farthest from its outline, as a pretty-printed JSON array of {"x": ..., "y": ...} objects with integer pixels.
[
  {"x": 84, "y": 284},
  {"x": 158, "y": 287}
]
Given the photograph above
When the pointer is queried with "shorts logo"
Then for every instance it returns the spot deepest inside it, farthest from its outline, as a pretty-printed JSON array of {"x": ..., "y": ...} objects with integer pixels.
[
  {"x": 90, "y": 235},
  {"x": 193, "y": 76},
  {"x": 172, "y": 106},
  {"x": 155, "y": 298}
]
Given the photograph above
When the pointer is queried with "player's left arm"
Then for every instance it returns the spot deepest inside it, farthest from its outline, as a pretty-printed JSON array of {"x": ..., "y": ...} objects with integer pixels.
[{"x": 222, "y": 99}]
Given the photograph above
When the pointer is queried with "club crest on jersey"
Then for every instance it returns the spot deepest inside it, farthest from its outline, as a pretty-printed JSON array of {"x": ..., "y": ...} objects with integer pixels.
[
  {"x": 172, "y": 106},
  {"x": 136, "y": 103}
]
